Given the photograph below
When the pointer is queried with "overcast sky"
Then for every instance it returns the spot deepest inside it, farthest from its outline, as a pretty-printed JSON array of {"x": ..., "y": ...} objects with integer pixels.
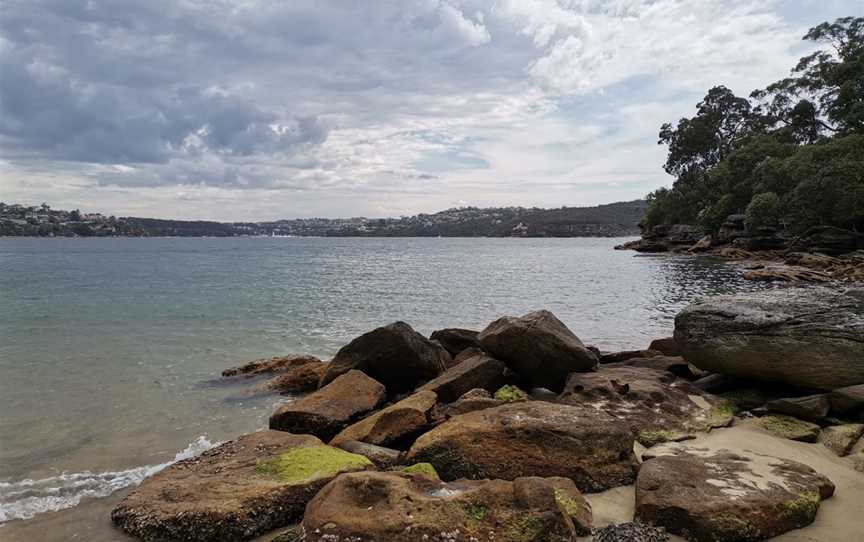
[{"x": 260, "y": 109}]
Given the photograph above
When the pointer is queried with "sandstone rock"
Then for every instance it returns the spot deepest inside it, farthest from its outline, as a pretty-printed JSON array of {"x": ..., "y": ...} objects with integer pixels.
[
  {"x": 236, "y": 491},
  {"x": 672, "y": 364},
  {"x": 300, "y": 379},
  {"x": 729, "y": 497},
  {"x": 841, "y": 439},
  {"x": 476, "y": 399},
  {"x": 702, "y": 244},
  {"x": 829, "y": 240},
  {"x": 480, "y": 371},
  {"x": 395, "y": 355},
  {"x": 271, "y": 365},
  {"x": 806, "y": 337},
  {"x": 531, "y": 439},
  {"x": 811, "y": 408},
  {"x": 400, "y": 507},
  {"x": 791, "y": 428},
  {"x": 848, "y": 399},
  {"x": 383, "y": 458},
  {"x": 394, "y": 424},
  {"x": 538, "y": 347},
  {"x": 455, "y": 340},
  {"x": 468, "y": 353},
  {"x": 616, "y": 357},
  {"x": 665, "y": 346},
  {"x": 330, "y": 409},
  {"x": 657, "y": 406}
]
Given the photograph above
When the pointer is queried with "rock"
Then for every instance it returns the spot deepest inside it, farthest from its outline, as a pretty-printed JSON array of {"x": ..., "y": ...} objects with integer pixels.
[
  {"x": 811, "y": 408},
  {"x": 271, "y": 365},
  {"x": 713, "y": 382},
  {"x": 476, "y": 399},
  {"x": 393, "y": 425},
  {"x": 331, "y": 408},
  {"x": 848, "y": 399},
  {"x": 786, "y": 273},
  {"x": 480, "y": 371},
  {"x": 538, "y": 347},
  {"x": 616, "y": 357},
  {"x": 395, "y": 355},
  {"x": 807, "y": 337},
  {"x": 468, "y": 353},
  {"x": 703, "y": 244},
  {"x": 732, "y": 228},
  {"x": 383, "y": 458},
  {"x": 840, "y": 439},
  {"x": 665, "y": 346},
  {"x": 748, "y": 397},
  {"x": 455, "y": 340},
  {"x": 672, "y": 364},
  {"x": 791, "y": 428},
  {"x": 630, "y": 532},
  {"x": 300, "y": 379},
  {"x": 829, "y": 240},
  {"x": 399, "y": 507},
  {"x": 510, "y": 394},
  {"x": 422, "y": 469},
  {"x": 531, "y": 439},
  {"x": 729, "y": 497},
  {"x": 656, "y": 406},
  {"x": 236, "y": 491},
  {"x": 857, "y": 455}
]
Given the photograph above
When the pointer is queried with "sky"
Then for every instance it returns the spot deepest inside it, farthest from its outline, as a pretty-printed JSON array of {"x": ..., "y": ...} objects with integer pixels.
[{"x": 267, "y": 109}]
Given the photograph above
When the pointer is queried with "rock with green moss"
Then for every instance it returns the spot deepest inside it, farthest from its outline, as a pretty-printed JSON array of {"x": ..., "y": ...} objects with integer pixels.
[
  {"x": 510, "y": 394},
  {"x": 399, "y": 507},
  {"x": 791, "y": 428},
  {"x": 422, "y": 469},
  {"x": 728, "y": 496},
  {"x": 841, "y": 439},
  {"x": 235, "y": 491}
]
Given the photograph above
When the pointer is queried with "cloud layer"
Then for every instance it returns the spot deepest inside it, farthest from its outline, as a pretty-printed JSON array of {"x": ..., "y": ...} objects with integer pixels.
[{"x": 261, "y": 108}]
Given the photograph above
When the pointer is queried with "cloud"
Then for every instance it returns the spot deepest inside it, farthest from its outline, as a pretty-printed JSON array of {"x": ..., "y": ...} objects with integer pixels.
[{"x": 390, "y": 105}]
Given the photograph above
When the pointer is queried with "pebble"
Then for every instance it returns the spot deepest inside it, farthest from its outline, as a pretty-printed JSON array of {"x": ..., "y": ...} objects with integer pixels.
[{"x": 630, "y": 532}]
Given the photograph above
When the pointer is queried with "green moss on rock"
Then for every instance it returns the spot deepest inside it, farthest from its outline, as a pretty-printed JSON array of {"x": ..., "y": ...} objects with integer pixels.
[
  {"x": 791, "y": 428},
  {"x": 804, "y": 507},
  {"x": 476, "y": 511},
  {"x": 311, "y": 462},
  {"x": 423, "y": 469},
  {"x": 651, "y": 437},
  {"x": 510, "y": 394}
]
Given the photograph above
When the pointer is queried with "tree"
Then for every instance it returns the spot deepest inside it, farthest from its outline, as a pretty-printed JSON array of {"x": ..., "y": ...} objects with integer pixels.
[{"x": 763, "y": 210}]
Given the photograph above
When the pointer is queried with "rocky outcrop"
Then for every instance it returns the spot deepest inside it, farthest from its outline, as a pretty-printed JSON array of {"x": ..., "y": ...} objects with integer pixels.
[
  {"x": 455, "y": 339},
  {"x": 332, "y": 408},
  {"x": 394, "y": 424},
  {"x": 480, "y": 371},
  {"x": 806, "y": 337},
  {"x": 400, "y": 507},
  {"x": 656, "y": 406},
  {"x": 538, "y": 347},
  {"x": 395, "y": 355},
  {"x": 300, "y": 379},
  {"x": 829, "y": 240},
  {"x": 531, "y": 439},
  {"x": 270, "y": 365},
  {"x": 729, "y": 497},
  {"x": 236, "y": 491}
]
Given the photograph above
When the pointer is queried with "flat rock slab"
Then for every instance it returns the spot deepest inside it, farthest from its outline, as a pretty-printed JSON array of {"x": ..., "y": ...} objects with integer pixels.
[
  {"x": 807, "y": 337},
  {"x": 236, "y": 491},
  {"x": 455, "y": 340},
  {"x": 393, "y": 424},
  {"x": 531, "y": 438},
  {"x": 729, "y": 497},
  {"x": 332, "y": 408},
  {"x": 791, "y": 428},
  {"x": 538, "y": 347},
  {"x": 400, "y": 507},
  {"x": 479, "y": 371}
]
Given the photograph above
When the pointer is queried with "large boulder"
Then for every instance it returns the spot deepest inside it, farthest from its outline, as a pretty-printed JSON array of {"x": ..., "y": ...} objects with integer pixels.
[
  {"x": 236, "y": 491},
  {"x": 806, "y": 337},
  {"x": 847, "y": 399},
  {"x": 401, "y": 507},
  {"x": 455, "y": 339},
  {"x": 531, "y": 439},
  {"x": 394, "y": 424},
  {"x": 539, "y": 347},
  {"x": 395, "y": 355},
  {"x": 332, "y": 408},
  {"x": 812, "y": 408},
  {"x": 729, "y": 497},
  {"x": 480, "y": 371},
  {"x": 656, "y": 405}
]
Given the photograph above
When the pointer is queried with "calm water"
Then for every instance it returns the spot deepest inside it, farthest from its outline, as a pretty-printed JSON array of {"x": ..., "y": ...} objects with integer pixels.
[{"x": 110, "y": 349}]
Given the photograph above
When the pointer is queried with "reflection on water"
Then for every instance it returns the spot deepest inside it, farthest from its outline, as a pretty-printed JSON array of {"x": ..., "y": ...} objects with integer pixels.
[{"x": 109, "y": 346}]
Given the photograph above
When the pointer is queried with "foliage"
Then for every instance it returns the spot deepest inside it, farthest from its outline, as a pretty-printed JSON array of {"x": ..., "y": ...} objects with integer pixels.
[{"x": 792, "y": 155}]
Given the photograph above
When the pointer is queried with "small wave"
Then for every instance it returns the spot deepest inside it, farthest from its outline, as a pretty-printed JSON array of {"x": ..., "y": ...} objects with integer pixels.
[{"x": 25, "y": 499}]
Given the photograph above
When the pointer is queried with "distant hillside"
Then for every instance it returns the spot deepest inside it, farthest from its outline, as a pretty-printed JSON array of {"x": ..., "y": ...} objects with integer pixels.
[{"x": 612, "y": 220}]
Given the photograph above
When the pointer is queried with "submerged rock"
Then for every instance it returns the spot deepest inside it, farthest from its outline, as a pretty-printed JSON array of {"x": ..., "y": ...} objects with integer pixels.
[
  {"x": 395, "y": 355},
  {"x": 330, "y": 409},
  {"x": 531, "y": 439},
  {"x": 806, "y": 337},
  {"x": 393, "y": 424},
  {"x": 538, "y": 347},
  {"x": 270, "y": 365},
  {"x": 236, "y": 491},
  {"x": 401, "y": 507},
  {"x": 729, "y": 497}
]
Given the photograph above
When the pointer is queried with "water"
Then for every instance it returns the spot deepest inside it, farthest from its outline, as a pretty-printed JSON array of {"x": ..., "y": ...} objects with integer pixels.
[{"x": 111, "y": 349}]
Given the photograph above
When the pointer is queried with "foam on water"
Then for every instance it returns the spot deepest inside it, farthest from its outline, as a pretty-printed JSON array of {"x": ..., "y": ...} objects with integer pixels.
[{"x": 25, "y": 499}]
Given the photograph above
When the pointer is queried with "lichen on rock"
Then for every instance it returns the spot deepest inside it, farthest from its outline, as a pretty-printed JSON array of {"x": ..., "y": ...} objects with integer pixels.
[{"x": 303, "y": 464}]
